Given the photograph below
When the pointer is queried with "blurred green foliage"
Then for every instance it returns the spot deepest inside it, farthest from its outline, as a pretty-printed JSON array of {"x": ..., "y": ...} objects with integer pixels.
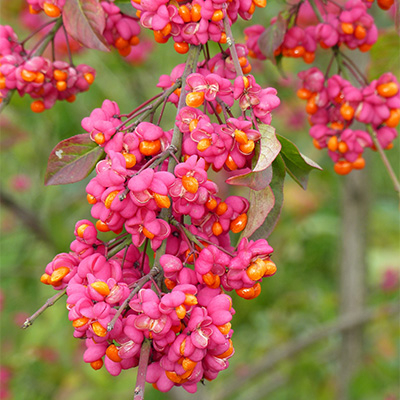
[{"x": 45, "y": 361}]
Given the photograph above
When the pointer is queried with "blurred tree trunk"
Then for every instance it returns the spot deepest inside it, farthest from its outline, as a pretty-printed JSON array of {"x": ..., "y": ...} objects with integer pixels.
[{"x": 355, "y": 210}]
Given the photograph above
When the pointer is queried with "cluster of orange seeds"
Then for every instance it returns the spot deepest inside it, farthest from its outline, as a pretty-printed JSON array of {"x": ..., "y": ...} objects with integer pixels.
[{"x": 50, "y": 9}]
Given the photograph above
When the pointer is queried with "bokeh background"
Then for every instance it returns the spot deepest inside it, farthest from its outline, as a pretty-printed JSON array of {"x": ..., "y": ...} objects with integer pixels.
[{"x": 288, "y": 341}]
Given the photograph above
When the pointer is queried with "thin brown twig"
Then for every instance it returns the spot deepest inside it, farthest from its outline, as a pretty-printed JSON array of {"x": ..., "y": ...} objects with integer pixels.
[
  {"x": 29, "y": 321},
  {"x": 353, "y": 72},
  {"x": 140, "y": 106},
  {"x": 329, "y": 66},
  {"x": 157, "y": 103},
  {"x": 215, "y": 113},
  {"x": 146, "y": 243},
  {"x": 117, "y": 247},
  {"x": 213, "y": 244},
  {"x": 134, "y": 124},
  {"x": 191, "y": 65},
  {"x": 162, "y": 111},
  {"x": 31, "y": 35},
  {"x": 385, "y": 160},
  {"x": 53, "y": 50},
  {"x": 68, "y": 46},
  {"x": 186, "y": 232},
  {"x": 354, "y": 66},
  {"x": 221, "y": 103},
  {"x": 41, "y": 45},
  {"x": 231, "y": 43},
  {"x": 239, "y": 72},
  {"x": 137, "y": 286},
  {"x": 142, "y": 369}
]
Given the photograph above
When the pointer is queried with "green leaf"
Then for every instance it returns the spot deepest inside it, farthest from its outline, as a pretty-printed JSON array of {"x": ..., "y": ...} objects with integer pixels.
[
  {"x": 273, "y": 37},
  {"x": 85, "y": 21},
  {"x": 297, "y": 165},
  {"x": 261, "y": 203},
  {"x": 278, "y": 178},
  {"x": 254, "y": 180},
  {"x": 385, "y": 55},
  {"x": 72, "y": 160}
]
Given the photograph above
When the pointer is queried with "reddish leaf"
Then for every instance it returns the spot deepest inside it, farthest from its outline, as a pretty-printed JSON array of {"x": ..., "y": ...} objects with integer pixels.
[
  {"x": 269, "y": 147},
  {"x": 72, "y": 160},
  {"x": 261, "y": 203},
  {"x": 254, "y": 180},
  {"x": 278, "y": 178},
  {"x": 85, "y": 21},
  {"x": 273, "y": 37},
  {"x": 260, "y": 177}
]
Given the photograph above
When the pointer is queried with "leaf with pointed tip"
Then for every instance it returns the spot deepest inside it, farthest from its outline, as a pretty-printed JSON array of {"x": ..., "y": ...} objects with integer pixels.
[
  {"x": 273, "y": 37},
  {"x": 85, "y": 21},
  {"x": 297, "y": 165},
  {"x": 278, "y": 178},
  {"x": 261, "y": 203},
  {"x": 72, "y": 160},
  {"x": 269, "y": 147}
]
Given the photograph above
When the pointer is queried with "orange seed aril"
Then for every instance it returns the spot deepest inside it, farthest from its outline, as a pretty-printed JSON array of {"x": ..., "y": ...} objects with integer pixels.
[
  {"x": 239, "y": 223},
  {"x": 190, "y": 183},
  {"x": 51, "y": 10},
  {"x": 101, "y": 288},
  {"x": 150, "y": 147},
  {"x": 99, "y": 329},
  {"x": 194, "y": 99},
  {"x": 112, "y": 353}
]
